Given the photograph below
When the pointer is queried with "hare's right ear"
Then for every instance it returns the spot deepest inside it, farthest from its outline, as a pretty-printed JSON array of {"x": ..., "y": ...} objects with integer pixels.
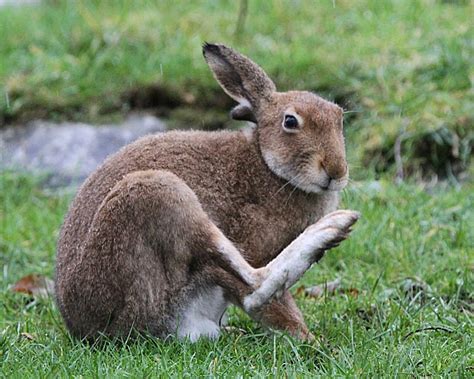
[{"x": 241, "y": 79}]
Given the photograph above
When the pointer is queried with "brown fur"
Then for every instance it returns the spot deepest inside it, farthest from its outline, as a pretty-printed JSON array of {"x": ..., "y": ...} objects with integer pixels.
[{"x": 140, "y": 237}]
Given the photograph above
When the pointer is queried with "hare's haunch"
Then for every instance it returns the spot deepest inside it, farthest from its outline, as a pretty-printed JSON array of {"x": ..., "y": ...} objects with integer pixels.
[{"x": 173, "y": 228}]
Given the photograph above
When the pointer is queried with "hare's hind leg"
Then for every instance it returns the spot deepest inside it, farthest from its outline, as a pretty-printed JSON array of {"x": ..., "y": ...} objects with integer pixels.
[
  {"x": 264, "y": 295},
  {"x": 173, "y": 255},
  {"x": 260, "y": 286},
  {"x": 283, "y": 271},
  {"x": 142, "y": 264}
]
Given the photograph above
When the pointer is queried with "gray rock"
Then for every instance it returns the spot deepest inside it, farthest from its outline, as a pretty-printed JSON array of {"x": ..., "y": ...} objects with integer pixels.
[
  {"x": 18, "y": 2},
  {"x": 68, "y": 152}
]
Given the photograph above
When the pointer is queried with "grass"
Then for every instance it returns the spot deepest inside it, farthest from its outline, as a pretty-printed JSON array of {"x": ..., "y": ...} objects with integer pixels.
[
  {"x": 402, "y": 67},
  {"x": 409, "y": 259}
]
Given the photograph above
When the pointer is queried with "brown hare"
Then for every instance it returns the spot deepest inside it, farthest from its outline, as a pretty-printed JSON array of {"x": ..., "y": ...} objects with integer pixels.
[{"x": 173, "y": 228}]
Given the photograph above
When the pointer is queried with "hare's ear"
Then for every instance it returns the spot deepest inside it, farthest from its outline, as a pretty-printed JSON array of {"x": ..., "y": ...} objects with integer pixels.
[
  {"x": 241, "y": 79},
  {"x": 243, "y": 112}
]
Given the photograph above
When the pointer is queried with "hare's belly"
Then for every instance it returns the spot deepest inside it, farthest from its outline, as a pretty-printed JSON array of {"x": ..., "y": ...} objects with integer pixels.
[{"x": 202, "y": 316}]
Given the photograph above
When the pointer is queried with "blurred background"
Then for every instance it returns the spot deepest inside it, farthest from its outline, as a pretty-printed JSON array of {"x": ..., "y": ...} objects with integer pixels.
[{"x": 402, "y": 70}]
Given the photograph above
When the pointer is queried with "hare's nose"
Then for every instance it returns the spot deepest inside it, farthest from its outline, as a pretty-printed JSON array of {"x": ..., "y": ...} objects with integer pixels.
[{"x": 335, "y": 171}]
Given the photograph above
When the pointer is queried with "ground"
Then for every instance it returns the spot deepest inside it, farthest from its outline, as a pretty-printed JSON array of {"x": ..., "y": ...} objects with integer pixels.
[{"x": 405, "y": 305}]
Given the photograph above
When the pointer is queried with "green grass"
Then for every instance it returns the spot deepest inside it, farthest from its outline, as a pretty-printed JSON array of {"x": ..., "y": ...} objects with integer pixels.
[
  {"x": 403, "y": 66},
  {"x": 407, "y": 235}
]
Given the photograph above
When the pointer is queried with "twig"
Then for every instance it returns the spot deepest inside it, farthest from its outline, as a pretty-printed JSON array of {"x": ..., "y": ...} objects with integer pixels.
[
  {"x": 439, "y": 328},
  {"x": 319, "y": 290},
  {"x": 397, "y": 151}
]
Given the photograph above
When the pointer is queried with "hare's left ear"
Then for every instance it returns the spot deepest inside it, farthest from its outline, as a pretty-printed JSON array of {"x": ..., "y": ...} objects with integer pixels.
[
  {"x": 243, "y": 112},
  {"x": 242, "y": 79}
]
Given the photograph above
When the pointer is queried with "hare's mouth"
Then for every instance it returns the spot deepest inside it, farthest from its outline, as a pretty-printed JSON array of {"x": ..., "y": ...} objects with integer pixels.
[
  {"x": 306, "y": 179},
  {"x": 321, "y": 186},
  {"x": 313, "y": 187},
  {"x": 309, "y": 186}
]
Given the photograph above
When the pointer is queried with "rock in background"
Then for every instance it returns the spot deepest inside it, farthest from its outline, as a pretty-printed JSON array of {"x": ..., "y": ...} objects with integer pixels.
[{"x": 68, "y": 152}]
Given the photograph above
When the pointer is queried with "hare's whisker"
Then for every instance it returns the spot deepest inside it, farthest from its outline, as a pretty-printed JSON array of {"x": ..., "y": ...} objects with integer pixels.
[{"x": 296, "y": 177}]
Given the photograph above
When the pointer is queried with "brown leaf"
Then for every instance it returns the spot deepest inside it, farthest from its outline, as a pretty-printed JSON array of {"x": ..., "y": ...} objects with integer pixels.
[
  {"x": 27, "y": 335},
  {"x": 354, "y": 292},
  {"x": 330, "y": 288},
  {"x": 415, "y": 288},
  {"x": 300, "y": 291},
  {"x": 36, "y": 285},
  {"x": 319, "y": 290}
]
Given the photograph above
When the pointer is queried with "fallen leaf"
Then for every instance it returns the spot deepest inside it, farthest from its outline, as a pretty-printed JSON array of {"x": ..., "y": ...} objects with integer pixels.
[
  {"x": 319, "y": 290},
  {"x": 234, "y": 329},
  {"x": 27, "y": 335},
  {"x": 36, "y": 285},
  {"x": 330, "y": 288},
  {"x": 354, "y": 292},
  {"x": 300, "y": 291},
  {"x": 415, "y": 288}
]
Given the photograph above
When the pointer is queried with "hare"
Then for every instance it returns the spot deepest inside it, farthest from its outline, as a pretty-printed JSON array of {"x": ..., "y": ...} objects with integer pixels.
[{"x": 174, "y": 228}]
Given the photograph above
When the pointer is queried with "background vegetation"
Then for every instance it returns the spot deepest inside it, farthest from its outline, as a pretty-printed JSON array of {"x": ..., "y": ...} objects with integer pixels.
[
  {"x": 402, "y": 68},
  {"x": 403, "y": 71}
]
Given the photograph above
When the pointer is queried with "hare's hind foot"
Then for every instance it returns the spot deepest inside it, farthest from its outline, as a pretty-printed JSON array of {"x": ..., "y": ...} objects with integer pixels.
[{"x": 281, "y": 273}]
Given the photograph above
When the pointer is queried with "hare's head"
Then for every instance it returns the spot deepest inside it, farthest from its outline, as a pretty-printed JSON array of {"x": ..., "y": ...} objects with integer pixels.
[{"x": 299, "y": 133}]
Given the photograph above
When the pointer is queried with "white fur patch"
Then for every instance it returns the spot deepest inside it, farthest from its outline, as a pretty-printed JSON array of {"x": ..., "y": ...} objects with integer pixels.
[
  {"x": 276, "y": 165},
  {"x": 301, "y": 181},
  {"x": 248, "y": 132},
  {"x": 243, "y": 101},
  {"x": 202, "y": 316},
  {"x": 305, "y": 181}
]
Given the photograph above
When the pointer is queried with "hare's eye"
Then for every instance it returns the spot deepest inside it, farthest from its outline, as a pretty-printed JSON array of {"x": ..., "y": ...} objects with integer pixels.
[{"x": 290, "y": 122}]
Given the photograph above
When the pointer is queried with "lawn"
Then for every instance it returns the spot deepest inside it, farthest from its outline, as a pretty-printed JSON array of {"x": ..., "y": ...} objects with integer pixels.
[{"x": 405, "y": 305}]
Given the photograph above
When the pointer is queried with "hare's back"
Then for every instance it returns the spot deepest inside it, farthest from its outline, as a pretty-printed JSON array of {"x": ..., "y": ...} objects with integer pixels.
[{"x": 206, "y": 161}]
